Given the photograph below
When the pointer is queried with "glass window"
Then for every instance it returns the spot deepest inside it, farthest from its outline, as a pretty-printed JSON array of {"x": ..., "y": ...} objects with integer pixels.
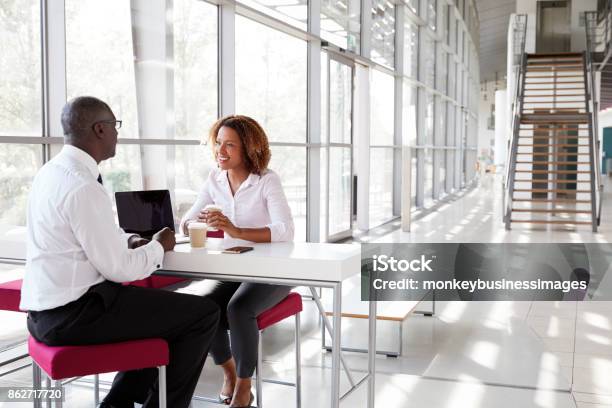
[
  {"x": 409, "y": 112},
  {"x": 429, "y": 75},
  {"x": 381, "y": 108},
  {"x": 271, "y": 80},
  {"x": 381, "y": 185},
  {"x": 441, "y": 66},
  {"x": 293, "y": 12},
  {"x": 124, "y": 171},
  {"x": 428, "y": 179},
  {"x": 411, "y": 50},
  {"x": 432, "y": 14},
  {"x": 339, "y": 189},
  {"x": 195, "y": 68},
  {"x": 340, "y": 23},
  {"x": 383, "y": 32},
  {"x": 18, "y": 166},
  {"x": 99, "y": 41},
  {"x": 290, "y": 164},
  {"x": 340, "y": 102},
  {"x": 413, "y": 5},
  {"x": 429, "y": 119},
  {"x": 20, "y": 86},
  {"x": 189, "y": 167}
]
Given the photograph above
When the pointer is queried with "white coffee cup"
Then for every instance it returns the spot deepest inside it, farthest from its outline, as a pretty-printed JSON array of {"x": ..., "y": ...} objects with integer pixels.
[
  {"x": 212, "y": 208},
  {"x": 197, "y": 234}
]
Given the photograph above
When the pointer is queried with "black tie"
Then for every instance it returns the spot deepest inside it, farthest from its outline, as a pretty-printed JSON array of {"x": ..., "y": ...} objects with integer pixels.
[{"x": 100, "y": 179}]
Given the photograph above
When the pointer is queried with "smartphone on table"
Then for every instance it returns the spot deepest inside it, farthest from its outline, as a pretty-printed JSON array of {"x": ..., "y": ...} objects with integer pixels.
[{"x": 237, "y": 250}]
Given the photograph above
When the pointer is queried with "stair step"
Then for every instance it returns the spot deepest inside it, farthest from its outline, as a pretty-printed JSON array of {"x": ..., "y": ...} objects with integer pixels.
[
  {"x": 537, "y": 171},
  {"x": 554, "y": 136},
  {"x": 578, "y": 68},
  {"x": 532, "y": 119},
  {"x": 547, "y": 181},
  {"x": 554, "y": 95},
  {"x": 553, "y": 145},
  {"x": 553, "y": 210},
  {"x": 556, "y": 83},
  {"x": 553, "y": 76},
  {"x": 555, "y": 63},
  {"x": 545, "y": 127},
  {"x": 553, "y": 89},
  {"x": 554, "y": 154},
  {"x": 554, "y": 55},
  {"x": 542, "y": 61},
  {"x": 551, "y": 200},
  {"x": 551, "y": 102},
  {"x": 554, "y": 163},
  {"x": 552, "y": 222},
  {"x": 547, "y": 190}
]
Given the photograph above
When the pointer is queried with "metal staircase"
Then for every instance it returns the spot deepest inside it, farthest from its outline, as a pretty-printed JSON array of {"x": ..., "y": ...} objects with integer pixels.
[{"x": 551, "y": 177}]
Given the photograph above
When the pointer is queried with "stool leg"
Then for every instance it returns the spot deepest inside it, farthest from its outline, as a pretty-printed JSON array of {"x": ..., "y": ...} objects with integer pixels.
[
  {"x": 48, "y": 385},
  {"x": 298, "y": 362},
  {"x": 36, "y": 382},
  {"x": 259, "y": 379},
  {"x": 162, "y": 386},
  {"x": 58, "y": 384},
  {"x": 97, "y": 389}
]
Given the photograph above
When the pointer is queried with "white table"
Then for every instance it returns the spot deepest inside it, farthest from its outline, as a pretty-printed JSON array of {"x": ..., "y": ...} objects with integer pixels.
[{"x": 293, "y": 264}]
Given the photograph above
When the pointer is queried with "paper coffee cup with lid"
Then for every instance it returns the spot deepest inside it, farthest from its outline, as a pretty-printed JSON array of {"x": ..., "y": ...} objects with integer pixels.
[{"x": 197, "y": 234}]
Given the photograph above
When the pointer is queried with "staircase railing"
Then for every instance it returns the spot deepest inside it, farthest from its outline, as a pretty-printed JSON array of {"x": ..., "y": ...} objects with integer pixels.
[
  {"x": 519, "y": 33},
  {"x": 593, "y": 109}
]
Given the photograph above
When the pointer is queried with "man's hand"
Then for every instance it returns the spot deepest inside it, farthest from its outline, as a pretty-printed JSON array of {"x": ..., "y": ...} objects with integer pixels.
[
  {"x": 135, "y": 241},
  {"x": 166, "y": 238}
]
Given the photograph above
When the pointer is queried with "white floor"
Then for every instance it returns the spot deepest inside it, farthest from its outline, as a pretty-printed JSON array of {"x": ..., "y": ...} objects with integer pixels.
[{"x": 469, "y": 355}]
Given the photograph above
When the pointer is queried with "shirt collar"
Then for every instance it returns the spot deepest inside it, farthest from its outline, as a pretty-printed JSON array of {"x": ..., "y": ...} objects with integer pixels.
[
  {"x": 82, "y": 157},
  {"x": 253, "y": 178}
]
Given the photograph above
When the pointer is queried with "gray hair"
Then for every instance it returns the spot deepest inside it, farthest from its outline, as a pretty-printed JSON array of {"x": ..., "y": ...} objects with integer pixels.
[{"x": 80, "y": 113}]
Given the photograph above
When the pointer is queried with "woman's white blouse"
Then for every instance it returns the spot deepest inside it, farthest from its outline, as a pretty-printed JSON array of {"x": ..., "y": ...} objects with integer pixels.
[{"x": 259, "y": 202}]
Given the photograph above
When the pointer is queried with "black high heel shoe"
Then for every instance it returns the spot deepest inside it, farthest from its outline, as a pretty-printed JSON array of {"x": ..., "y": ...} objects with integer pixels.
[{"x": 251, "y": 398}]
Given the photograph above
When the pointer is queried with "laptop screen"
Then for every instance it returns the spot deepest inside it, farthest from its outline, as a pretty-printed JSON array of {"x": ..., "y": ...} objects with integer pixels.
[{"x": 144, "y": 212}]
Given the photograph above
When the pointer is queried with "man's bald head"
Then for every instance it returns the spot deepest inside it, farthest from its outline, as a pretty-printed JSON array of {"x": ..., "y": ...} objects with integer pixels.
[{"x": 79, "y": 115}]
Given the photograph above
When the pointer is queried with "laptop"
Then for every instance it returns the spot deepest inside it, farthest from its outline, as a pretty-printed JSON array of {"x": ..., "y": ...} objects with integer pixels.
[{"x": 144, "y": 212}]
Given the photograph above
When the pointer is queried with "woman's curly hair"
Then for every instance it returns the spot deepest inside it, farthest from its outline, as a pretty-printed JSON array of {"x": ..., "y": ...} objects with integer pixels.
[{"x": 256, "y": 150}]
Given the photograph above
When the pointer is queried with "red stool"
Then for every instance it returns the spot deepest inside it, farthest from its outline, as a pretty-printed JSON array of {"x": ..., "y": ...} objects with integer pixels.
[
  {"x": 290, "y": 306},
  {"x": 76, "y": 361},
  {"x": 10, "y": 295}
]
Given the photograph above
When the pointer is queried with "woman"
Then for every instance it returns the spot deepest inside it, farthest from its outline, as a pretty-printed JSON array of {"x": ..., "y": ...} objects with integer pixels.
[{"x": 254, "y": 208}]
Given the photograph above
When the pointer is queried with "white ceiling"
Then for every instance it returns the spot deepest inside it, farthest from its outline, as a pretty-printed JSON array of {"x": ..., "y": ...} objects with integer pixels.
[{"x": 494, "y": 16}]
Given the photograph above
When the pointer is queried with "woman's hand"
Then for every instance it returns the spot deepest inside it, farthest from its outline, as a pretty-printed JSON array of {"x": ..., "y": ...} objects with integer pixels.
[{"x": 216, "y": 219}]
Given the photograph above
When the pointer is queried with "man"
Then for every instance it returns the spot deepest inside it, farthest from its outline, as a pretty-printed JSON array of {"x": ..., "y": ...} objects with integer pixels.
[{"x": 77, "y": 259}]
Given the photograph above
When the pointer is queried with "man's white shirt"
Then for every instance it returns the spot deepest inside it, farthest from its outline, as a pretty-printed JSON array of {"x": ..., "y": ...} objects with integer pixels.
[{"x": 73, "y": 242}]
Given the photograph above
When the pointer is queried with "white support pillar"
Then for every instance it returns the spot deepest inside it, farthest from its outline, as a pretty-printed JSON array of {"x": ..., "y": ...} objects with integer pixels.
[
  {"x": 153, "y": 56},
  {"x": 361, "y": 134},
  {"x": 501, "y": 129},
  {"x": 399, "y": 102},
  {"x": 53, "y": 32},
  {"x": 313, "y": 214},
  {"x": 227, "y": 60}
]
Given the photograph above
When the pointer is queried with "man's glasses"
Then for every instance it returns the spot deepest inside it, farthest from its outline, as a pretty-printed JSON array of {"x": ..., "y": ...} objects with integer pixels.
[{"x": 115, "y": 123}]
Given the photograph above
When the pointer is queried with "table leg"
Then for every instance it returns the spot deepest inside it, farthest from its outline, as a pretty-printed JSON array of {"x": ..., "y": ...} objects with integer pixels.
[
  {"x": 336, "y": 345},
  {"x": 372, "y": 354}
]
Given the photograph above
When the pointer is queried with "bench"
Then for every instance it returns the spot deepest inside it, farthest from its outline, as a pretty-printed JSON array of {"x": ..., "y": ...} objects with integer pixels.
[{"x": 396, "y": 311}]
